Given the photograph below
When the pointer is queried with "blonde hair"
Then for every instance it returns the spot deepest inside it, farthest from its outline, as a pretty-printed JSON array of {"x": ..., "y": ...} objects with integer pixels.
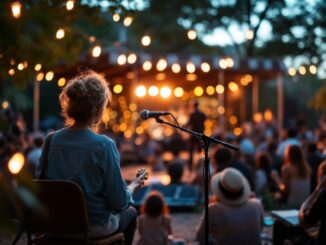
[{"x": 84, "y": 98}]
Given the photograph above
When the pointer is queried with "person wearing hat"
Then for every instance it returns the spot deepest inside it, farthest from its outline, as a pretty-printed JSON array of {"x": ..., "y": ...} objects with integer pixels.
[{"x": 234, "y": 219}]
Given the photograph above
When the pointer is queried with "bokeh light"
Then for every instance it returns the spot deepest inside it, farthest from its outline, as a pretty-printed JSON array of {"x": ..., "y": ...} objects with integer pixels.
[
  {"x": 37, "y": 67},
  {"x": 127, "y": 21},
  {"x": 198, "y": 91},
  {"x": 210, "y": 90},
  {"x": 11, "y": 72},
  {"x": 147, "y": 65},
  {"x": 132, "y": 58},
  {"x": 70, "y": 4},
  {"x": 292, "y": 71},
  {"x": 116, "y": 17},
  {"x": 313, "y": 69},
  {"x": 140, "y": 91},
  {"x": 233, "y": 86},
  {"x": 96, "y": 52},
  {"x": 146, "y": 40},
  {"x": 165, "y": 92},
  {"x": 205, "y": 67},
  {"x": 40, "y": 76},
  {"x": 233, "y": 120},
  {"x": 192, "y": 34},
  {"x": 61, "y": 82},
  {"x": 161, "y": 65},
  {"x": 178, "y": 92},
  {"x": 117, "y": 88},
  {"x": 219, "y": 89},
  {"x": 49, "y": 76},
  {"x": 122, "y": 59},
  {"x": 302, "y": 70},
  {"x": 153, "y": 91},
  {"x": 176, "y": 68},
  {"x": 16, "y": 8},
  {"x": 5, "y": 105},
  {"x": 191, "y": 68},
  {"x": 60, "y": 33},
  {"x": 16, "y": 163}
]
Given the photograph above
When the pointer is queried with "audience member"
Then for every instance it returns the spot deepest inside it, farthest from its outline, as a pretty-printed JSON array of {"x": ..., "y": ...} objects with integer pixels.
[
  {"x": 154, "y": 223},
  {"x": 33, "y": 157},
  {"x": 296, "y": 176},
  {"x": 234, "y": 218},
  {"x": 314, "y": 158},
  {"x": 289, "y": 140},
  {"x": 175, "y": 171}
]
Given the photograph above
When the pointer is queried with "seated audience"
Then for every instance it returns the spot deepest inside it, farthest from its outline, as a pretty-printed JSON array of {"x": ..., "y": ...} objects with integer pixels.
[
  {"x": 154, "y": 223},
  {"x": 33, "y": 157},
  {"x": 296, "y": 176},
  {"x": 234, "y": 219},
  {"x": 175, "y": 171}
]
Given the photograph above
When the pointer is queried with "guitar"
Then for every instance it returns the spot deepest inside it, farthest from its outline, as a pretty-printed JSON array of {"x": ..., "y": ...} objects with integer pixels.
[{"x": 142, "y": 175}]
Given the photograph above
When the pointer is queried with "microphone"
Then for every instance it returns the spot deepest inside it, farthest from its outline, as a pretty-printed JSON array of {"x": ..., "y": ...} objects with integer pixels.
[{"x": 146, "y": 114}]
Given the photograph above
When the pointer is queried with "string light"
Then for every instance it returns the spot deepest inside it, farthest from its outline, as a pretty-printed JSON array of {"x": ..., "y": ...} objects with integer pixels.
[
  {"x": 219, "y": 89},
  {"x": 302, "y": 70},
  {"x": 221, "y": 109},
  {"x": 192, "y": 34},
  {"x": 191, "y": 68},
  {"x": 176, "y": 68},
  {"x": 147, "y": 65},
  {"x": 20, "y": 66},
  {"x": 223, "y": 64},
  {"x": 140, "y": 91},
  {"x": 292, "y": 71},
  {"x": 233, "y": 120},
  {"x": 146, "y": 40},
  {"x": 313, "y": 69},
  {"x": 210, "y": 90},
  {"x": 132, "y": 58},
  {"x": 153, "y": 91},
  {"x": 165, "y": 92},
  {"x": 16, "y": 163},
  {"x": 5, "y": 105},
  {"x": 49, "y": 76},
  {"x": 60, "y": 34},
  {"x": 191, "y": 77},
  {"x": 96, "y": 52},
  {"x": 70, "y": 4},
  {"x": 11, "y": 72},
  {"x": 198, "y": 91},
  {"x": 178, "y": 92},
  {"x": 229, "y": 62},
  {"x": 16, "y": 8},
  {"x": 161, "y": 65},
  {"x": 37, "y": 67},
  {"x": 62, "y": 82},
  {"x": 250, "y": 34},
  {"x": 233, "y": 86},
  {"x": 116, "y": 17},
  {"x": 237, "y": 131},
  {"x": 127, "y": 21},
  {"x": 40, "y": 76},
  {"x": 205, "y": 67},
  {"x": 122, "y": 59},
  {"x": 117, "y": 88}
]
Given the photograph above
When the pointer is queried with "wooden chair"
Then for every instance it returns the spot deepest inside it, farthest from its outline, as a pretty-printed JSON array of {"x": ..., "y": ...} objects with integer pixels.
[{"x": 63, "y": 212}]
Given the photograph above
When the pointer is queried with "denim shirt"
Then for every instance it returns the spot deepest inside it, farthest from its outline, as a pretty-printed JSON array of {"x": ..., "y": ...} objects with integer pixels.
[{"x": 93, "y": 162}]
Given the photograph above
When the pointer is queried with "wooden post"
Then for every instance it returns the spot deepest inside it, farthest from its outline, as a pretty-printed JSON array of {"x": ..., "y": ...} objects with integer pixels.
[
  {"x": 221, "y": 98},
  {"x": 280, "y": 102},
  {"x": 36, "y": 111},
  {"x": 255, "y": 95}
]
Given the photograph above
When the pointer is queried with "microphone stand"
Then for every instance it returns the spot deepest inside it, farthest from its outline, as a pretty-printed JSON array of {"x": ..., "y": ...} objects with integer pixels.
[{"x": 206, "y": 141}]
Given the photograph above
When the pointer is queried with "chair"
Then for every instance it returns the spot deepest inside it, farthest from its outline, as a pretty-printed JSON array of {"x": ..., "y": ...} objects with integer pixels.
[{"x": 63, "y": 212}]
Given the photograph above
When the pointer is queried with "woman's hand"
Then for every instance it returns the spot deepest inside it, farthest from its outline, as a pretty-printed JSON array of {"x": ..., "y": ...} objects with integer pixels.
[{"x": 138, "y": 182}]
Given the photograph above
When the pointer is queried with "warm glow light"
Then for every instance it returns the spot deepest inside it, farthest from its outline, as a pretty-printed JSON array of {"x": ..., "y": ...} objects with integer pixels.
[
  {"x": 192, "y": 34},
  {"x": 133, "y": 106},
  {"x": 70, "y": 5},
  {"x": 16, "y": 8},
  {"x": 191, "y": 68},
  {"x": 25, "y": 64},
  {"x": 116, "y": 17},
  {"x": 165, "y": 92},
  {"x": 60, "y": 33},
  {"x": 62, "y": 82},
  {"x": 122, "y": 59},
  {"x": 292, "y": 71},
  {"x": 127, "y": 21},
  {"x": 147, "y": 65},
  {"x": 139, "y": 130},
  {"x": 302, "y": 70},
  {"x": 198, "y": 91},
  {"x": 250, "y": 34},
  {"x": 16, "y": 163},
  {"x": 37, "y": 67},
  {"x": 258, "y": 117},
  {"x": 146, "y": 40},
  {"x": 20, "y": 66},
  {"x": 229, "y": 62},
  {"x": 219, "y": 89},
  {"x": 153, "y": 91},
  {"x": 5, "y": 105},
  {"x": 140, "y": 91},
  {"x": 210, "y": 90},
  {"x": 233, "y": 86},
  {"x": 161, "y": 65},
  {"x": 117, "y": 88},
  {"x": 233, "y": 120},
  {"x": 245, "y": 80},
  {"x": 313, "y": 69},
  {"x": 11, "y": 72},
  {"x": 221, "y": 109},
  {"x": 178, "y": 92},
  {"x": 237, "y": 131},
  {"x": 96, "y": 52},
  {"x": 223, "y": 64},
  {"x": 160, "y": 76},
  {"x": 49, "y": 76},
  {"x": 40, "y": 76},
  {"x": 176, "y": 68},
  {"x": 268, "y": 115},
  {"x": 132, "y": 58},
  {"x": 191, "y": 77},
  {"x": 205, "y": 67}
]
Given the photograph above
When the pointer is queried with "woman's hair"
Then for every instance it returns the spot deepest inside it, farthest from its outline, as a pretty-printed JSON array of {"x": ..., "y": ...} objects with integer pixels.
[
  {"x": 84, "y": 97},
  {"x": 263, "y": 161},
  {"x": 294, "y": 156},
  {"x": 154, "y": 205}
]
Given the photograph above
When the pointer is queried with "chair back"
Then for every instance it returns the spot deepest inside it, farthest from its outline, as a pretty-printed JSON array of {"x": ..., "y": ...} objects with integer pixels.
[{"x": 63, "y": 209}]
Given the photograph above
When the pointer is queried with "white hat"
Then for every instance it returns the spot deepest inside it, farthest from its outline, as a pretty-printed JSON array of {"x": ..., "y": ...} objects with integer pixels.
[{"x": 230, "y": 187}]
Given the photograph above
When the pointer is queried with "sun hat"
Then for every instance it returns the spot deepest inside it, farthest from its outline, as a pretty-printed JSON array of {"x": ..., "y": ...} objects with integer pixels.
[{"x": 230, "y": 187}]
